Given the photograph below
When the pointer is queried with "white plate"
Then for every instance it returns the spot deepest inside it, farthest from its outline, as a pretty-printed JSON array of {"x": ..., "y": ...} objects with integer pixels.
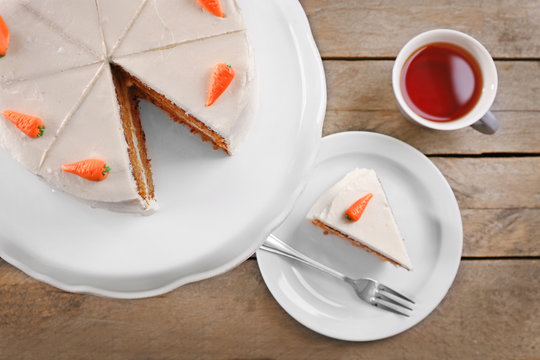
[
  {"x": 214, "y": 210},
  {"x": 427, "y": 214}
]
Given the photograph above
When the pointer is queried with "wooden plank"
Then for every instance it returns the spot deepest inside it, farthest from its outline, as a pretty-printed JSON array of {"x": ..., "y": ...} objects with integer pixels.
[
  {"x": 516, "y": 133},
  {"x": 351, "y": 28},
  {"x": 493, "y": 183},
  {"x": 501, "y": 232},
  {"x": 367, "y": 86},
  {"x": 492, "y": 311}
]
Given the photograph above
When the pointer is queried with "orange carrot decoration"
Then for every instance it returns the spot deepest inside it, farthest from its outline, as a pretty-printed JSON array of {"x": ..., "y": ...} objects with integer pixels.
[
  {"x": 221, "y": 78},
  {"x": 28, "y": 124},
  {"x": 212, "y": 6},
  {"x": 4, "y": 37},
  {"x": 357, "y": 209},
  {"x": 91, "y": 169}
]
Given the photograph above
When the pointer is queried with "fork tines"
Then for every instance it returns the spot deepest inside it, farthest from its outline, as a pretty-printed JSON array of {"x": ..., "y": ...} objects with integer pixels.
[
  {"x": 395, "y": 293},
  {"x": 401, "y": 305}
]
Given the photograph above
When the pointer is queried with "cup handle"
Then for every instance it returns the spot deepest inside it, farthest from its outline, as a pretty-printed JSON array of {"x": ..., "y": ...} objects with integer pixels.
[{"x": 488, "y": 124}]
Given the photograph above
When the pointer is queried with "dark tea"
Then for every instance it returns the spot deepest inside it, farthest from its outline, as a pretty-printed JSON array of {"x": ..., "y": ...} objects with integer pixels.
[{"x": 441, "y": 82}]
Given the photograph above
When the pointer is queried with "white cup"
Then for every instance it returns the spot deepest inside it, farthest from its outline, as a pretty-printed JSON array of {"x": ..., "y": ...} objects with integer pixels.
[{"x": 479, "y": 117}]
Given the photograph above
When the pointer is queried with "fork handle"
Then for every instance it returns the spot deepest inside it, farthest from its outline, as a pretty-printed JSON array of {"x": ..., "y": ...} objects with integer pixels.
[{"x": 276, "y": 246}]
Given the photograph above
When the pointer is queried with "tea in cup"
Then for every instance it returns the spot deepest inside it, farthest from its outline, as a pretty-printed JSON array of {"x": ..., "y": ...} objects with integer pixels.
[{"x": 446, "y": 80}]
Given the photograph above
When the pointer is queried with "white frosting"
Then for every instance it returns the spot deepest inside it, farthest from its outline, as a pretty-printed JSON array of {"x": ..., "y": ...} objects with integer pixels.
[
  {"x": 195, "y": 61},
  {"x": 35, "y": 47},
  {"x": 76, "y": 20},
  {"x": 57, "y": 68},
  {"x": 166, "y": 22},
  {"x": 376, "y": 228},
  {"x": 116, "y": 18}
]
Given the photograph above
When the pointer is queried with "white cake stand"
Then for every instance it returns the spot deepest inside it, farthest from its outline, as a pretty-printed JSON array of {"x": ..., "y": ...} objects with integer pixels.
[{"x": 214, "y": 210}]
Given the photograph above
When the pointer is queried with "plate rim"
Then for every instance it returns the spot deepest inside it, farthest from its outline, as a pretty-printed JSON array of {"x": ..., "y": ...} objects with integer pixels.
[
  {"x": 452, "y": 272},
  {"x": 297, "y": 19}
]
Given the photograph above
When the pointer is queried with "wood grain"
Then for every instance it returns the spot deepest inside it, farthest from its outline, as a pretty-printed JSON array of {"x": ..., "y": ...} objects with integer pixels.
[
  {"x": 517, "y": 132},
  {"x": 501, "y": 232},
  {"x": 493, "y": 183},
  {"x": 491, "y": 311},
  {"x": 379, "y": 28}
]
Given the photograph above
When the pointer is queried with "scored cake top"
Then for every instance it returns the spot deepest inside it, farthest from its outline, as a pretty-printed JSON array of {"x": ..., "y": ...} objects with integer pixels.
[
  {"x": 50, "y": 36},
  {"x": 163, "y": 23}
]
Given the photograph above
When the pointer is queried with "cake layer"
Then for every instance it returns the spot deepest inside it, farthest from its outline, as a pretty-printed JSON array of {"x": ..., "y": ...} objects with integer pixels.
[
  {"x": 94, "y": 131},
  {"x": 52, "y": 98},
  {"x": 187, "y": 86},
  {"x": 376, "y": 228},
  {"x": 37, "y": 47},
  {"x": 128, "y": 100},
  {"x": 167, "y": 22}
]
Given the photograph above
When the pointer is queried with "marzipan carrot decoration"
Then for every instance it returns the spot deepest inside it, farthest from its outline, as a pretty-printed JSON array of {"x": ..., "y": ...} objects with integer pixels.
[
  {"x": 357, "y": 209},
  {"x": 90, "y": 169},
  {"x": 212, "y": 6},
  {"x": 28, "y": 124},
  {"x": 4, "y": 37},
  {"x": 221, "y": 78}
]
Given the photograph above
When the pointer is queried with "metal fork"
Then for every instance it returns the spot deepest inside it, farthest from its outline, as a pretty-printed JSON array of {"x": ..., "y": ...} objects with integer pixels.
[{"x": 369, "y": 290}]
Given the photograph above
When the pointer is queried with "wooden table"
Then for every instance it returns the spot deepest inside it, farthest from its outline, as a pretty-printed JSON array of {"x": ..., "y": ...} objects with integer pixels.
[{"x": 491, "y": 312}]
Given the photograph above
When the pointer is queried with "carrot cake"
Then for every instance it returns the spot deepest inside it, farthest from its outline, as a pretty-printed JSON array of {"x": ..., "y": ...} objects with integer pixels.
[
  {"x": 356, "y": 209},
  {"x": 72, "y": 74}
]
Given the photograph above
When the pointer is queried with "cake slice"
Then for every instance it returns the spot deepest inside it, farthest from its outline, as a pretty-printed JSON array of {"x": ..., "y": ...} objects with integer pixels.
[
  {"x": 181, "y": 92},
  {"x": 95, "y": 131},
  {"x": 349, "y": 211}
]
